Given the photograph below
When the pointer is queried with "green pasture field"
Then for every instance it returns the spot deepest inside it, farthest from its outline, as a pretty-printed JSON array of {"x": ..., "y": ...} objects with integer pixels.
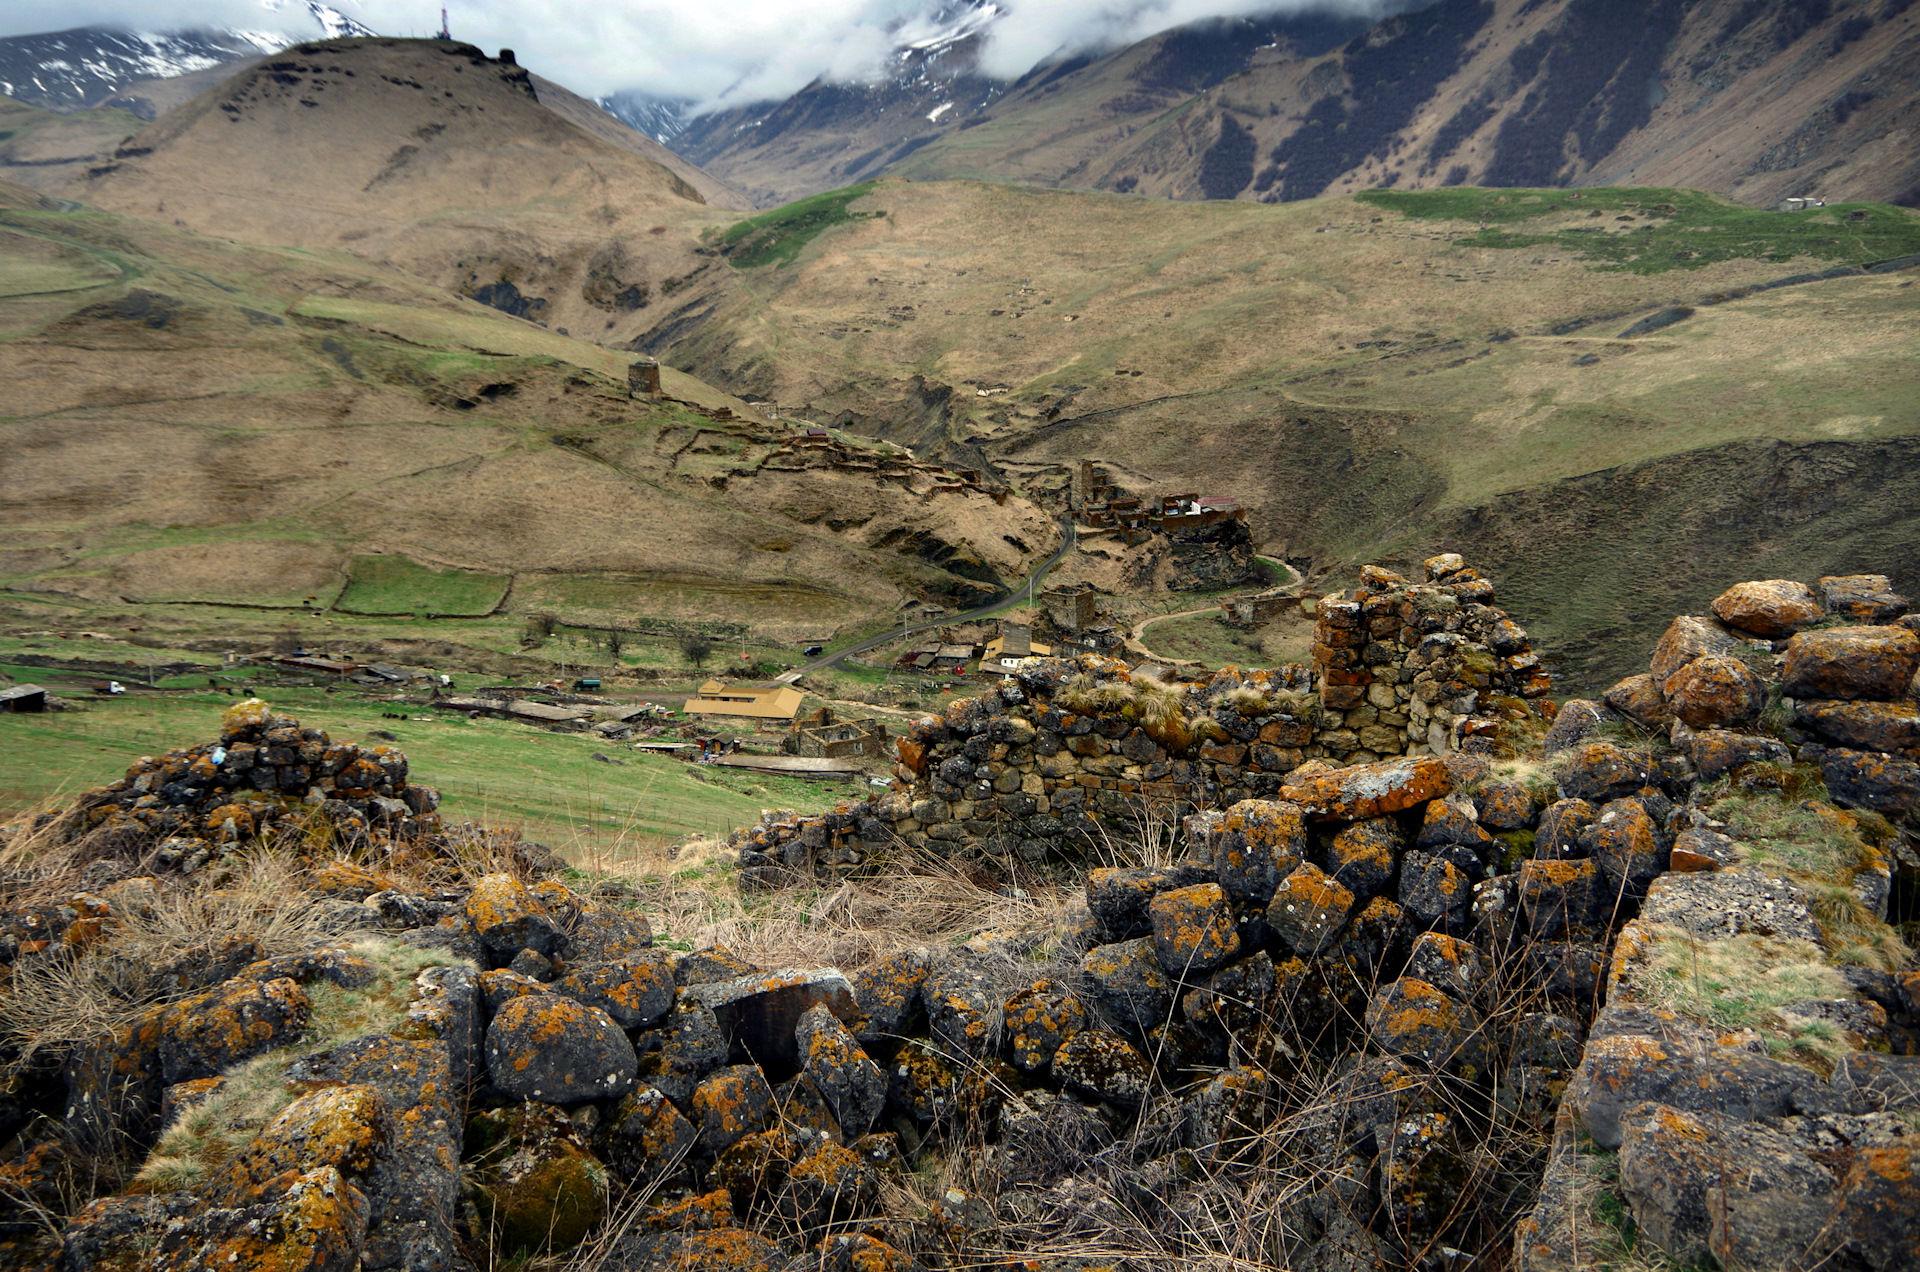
[
  {"x": 1670, "y": 228},
  {"x": 776, "y": 237},
  {"x": 395, "y": 585},
  {"x": 495, "y": 772}
]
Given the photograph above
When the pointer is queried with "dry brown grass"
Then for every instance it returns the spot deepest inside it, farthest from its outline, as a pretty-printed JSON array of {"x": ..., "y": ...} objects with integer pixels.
[
  {"x": 252, "y": 906},
  {"x": 691, "y": 898}
]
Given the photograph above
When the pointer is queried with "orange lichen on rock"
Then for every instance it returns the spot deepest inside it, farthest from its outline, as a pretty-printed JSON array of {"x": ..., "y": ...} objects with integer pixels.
[{"x": 1371, "y": 790}]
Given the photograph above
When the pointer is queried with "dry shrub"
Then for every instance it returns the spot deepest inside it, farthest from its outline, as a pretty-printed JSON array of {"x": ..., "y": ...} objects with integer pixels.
[
  {"x": 45, "y": 852},
  {"x": 254, "y": 907}
]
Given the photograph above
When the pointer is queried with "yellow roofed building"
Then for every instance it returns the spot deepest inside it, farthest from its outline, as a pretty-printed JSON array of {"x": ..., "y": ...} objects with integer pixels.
[{"x": 716, "y": 698}]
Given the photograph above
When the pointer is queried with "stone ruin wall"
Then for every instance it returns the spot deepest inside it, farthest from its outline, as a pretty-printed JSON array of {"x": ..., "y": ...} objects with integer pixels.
[{"x": 1400, "y": 668}]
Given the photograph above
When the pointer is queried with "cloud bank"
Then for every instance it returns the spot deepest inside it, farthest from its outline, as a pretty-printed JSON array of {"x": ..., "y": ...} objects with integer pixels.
[{"x": 712, "y": 53}]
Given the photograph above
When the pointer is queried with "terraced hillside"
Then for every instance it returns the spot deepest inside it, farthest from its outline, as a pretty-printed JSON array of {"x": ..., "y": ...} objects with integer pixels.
[{"x": 191, "y": 421}]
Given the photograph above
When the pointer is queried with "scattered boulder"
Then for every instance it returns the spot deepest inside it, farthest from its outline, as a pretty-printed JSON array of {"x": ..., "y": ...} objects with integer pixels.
[
  {"x": 1715, "y": 691},
  {"x": 1773, "y": 608},
  {"x": 1864, "y": 598},
  {"x": 1851, "y": 662},
  {"x": 1194, "y": 930},
  {"x": 848, "y": 1080},
  {"x": 551, "y": 1048},
  {"x": 1371, "y": 790},
  {"x": 1309, "y": 910}
]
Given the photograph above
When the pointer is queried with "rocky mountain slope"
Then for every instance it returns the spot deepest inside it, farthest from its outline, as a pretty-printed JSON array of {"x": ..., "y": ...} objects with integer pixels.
[
  {"x": 934, "y": 95},
  {"x": 96, "y": 66},
  {"x": 1757, "y": 99}
]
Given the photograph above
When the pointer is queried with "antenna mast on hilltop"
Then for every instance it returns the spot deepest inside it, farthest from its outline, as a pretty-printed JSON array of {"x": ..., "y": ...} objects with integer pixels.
[{"x": 444, "y": 33}]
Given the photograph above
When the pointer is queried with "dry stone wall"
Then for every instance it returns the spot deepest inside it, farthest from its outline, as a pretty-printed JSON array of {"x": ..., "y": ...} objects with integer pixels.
[{"x": 1066, "y": 756}]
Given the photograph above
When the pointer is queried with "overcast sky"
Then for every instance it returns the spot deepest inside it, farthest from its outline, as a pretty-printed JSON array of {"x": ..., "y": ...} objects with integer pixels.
[{"x": 712, "y": 51}]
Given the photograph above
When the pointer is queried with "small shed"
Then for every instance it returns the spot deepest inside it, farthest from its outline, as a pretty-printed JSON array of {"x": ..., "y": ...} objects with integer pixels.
[{"x": 25, "y": 699}]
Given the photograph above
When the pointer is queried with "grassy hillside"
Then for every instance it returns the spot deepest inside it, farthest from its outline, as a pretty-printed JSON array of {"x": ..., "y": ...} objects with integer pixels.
[{"x": 202, "y": 427}]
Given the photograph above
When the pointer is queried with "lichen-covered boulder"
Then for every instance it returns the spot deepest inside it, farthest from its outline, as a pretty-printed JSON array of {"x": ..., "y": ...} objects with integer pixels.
[
  {"x": 1640, "y": 700},
  {"x": 1193, "y": 929},
  {"x": 1773, "y": 608},
  {"x": 888, "y": 993},
  {"x": 1506, "y": 806},
  {"x": 1689, "y": 637},
  {"x": 1560, "y": 895},
  {"x": 921, "y": 1082},
  {"x": 1626, "y": 846},
  {"x": 1259, "y": 842},
  {"x": 1411, "y": 1018},
  {"x": 1449, "y": 964},
  {"x": 1864, "y": 726},
  {"x": 1864, "y": 598},
  {"x": 1774, "y": 1210},
  {"x": 859, "y": 1252},
  {"x": 607, "y": 934},
  {"x": 1600, "y": 771},
  {"x": 685, "y": 1048},
  {"x": 1309, "y": 910},
  {"x": 538, "y": 1187},
  {"x": 1715, "y": 691},
  {"x": 1423, "y": 1174},
  {"x": 1435, "y": 893},
  {"x": 1717, "y": 752},
  {"x": 1563, "y": 829},
  {"x": 851, "y": 1084},
  {"x": 1888, "y": 784},
  {"x": 508, "y": 918},
  {"x": 1698, "y": 850},
  {"x": 1105, "y": 1066},
  {"x": 1119, "y": 898},
  {"x": 1363, "y": 856},
  {"x": 636, "y": 992},
  {"x": 960, "y": 1002},
  {"x": 1372, "y": 790},
  {"x": 1037, "y": 1020},
  {"x": 831, "y": 1184},
  {"x": 318, "y": 1224},
  {"x": 1879, "y": 1197},
  {"x": 551, "y": 1048},
  {"x": 1851, "y": 662},
  {"x": 646, "y": 1138},
  {"x": 242, "y": 1018},
  {"x": 1125, "y": 981},
  {"x": 753, "y": 1167},
  {"x": 1621, "y": 1070},
  {"x": 730, "y": 1104},
  {"x": 1574, "y": 723},
  {"x": 345, "y": 1127}
]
